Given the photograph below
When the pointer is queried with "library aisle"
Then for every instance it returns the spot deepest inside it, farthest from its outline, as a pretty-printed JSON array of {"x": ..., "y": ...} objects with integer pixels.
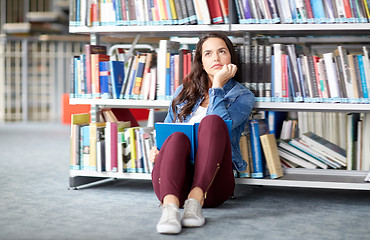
[{"x": 35, "y": 202}]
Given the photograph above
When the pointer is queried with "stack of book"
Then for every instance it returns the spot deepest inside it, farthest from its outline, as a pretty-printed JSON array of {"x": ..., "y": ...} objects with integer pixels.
[{"x": 312, "y": 151}]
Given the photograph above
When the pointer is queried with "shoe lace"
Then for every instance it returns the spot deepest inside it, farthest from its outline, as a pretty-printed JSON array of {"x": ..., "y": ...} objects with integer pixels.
[
  {"x": 191, "y": 208},
  {"x": 169, "y": 212}
]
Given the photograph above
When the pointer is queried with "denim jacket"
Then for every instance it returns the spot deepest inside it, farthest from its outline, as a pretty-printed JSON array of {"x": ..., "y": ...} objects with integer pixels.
[{"x": 232, "y": 102}]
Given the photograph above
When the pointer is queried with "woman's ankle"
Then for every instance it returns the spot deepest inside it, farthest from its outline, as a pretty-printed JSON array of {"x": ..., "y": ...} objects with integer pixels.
[{"x": 197, "y": 194}]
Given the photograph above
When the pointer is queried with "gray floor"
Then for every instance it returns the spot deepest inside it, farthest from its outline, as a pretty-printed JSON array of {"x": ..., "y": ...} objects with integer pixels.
[{"x": 35, "y": 202}]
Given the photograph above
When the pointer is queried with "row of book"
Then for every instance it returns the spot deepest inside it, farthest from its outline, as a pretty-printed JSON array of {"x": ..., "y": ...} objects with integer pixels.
[
  {"x": 172, "y": 12},
  {"x": 303, "y": 11},
  {"x": 146, "y": 75},
  {"x": 111, "y": 146},
  {"x": 277, "y": 73},
  {"x": 287, "y": 73},
  {"x": 148, "y": 12}
]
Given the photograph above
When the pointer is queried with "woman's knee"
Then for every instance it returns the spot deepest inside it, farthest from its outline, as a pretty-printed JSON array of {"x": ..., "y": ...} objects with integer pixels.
[{"x": 179, "y": 137}]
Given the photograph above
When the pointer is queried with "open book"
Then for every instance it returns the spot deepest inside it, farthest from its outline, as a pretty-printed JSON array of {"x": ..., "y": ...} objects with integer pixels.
[{"x": 164, "y": 130}]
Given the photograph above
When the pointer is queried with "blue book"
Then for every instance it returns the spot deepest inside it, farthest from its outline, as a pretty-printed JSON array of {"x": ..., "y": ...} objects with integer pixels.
[
  {"x": 76, "y": 76},
  {"x": 117, "y": 69},
  {"x": 105, "y": 81},
  {"x": 164, "y": 130},
  {"x": 257, "y": 127},
  {"x": 318, "y": 11},
  {"x": 362, "y": 76},
  {"x": 275, "y": 122}
]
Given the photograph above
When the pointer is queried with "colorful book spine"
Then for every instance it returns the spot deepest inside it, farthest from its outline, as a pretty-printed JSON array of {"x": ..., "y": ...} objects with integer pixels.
[{"x": 258, "y": 165}]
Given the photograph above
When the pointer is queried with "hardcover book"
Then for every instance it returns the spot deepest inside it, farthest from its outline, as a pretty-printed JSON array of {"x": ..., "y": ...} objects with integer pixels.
[
  {"x": 271, "y": 153},
  {"x": 164, "y": 130},
  {"x": 257, "y": 128},
  {"x": 324, "y": 145}
]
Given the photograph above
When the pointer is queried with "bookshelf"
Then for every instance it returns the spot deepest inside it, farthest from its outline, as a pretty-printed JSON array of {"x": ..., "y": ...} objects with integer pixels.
[{"x": 306, "y": 178}]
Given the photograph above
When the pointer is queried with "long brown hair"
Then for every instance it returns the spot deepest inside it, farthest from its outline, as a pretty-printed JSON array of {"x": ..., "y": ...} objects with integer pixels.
[{"x": 196, "y": 83}]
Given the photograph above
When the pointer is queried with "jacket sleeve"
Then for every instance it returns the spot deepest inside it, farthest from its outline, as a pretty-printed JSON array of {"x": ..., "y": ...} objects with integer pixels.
[
  {"x": 236, "y": 107},
  {"x": 169, "y": 118}
]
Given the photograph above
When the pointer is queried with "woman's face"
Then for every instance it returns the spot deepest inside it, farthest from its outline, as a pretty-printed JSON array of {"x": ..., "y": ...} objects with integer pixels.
[{"x": 215, "y": 54}]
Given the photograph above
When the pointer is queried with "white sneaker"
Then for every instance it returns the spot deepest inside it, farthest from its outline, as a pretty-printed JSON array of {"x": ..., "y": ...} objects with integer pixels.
[
  {"x": 169, "y": 223},
  {"x": 193, "y": 215}
]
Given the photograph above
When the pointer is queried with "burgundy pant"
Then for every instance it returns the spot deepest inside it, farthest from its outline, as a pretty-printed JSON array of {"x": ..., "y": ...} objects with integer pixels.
[{"x": 212, "y": 172}]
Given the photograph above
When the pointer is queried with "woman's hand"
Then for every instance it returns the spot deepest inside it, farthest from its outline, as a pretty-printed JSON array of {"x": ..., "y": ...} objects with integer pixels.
[
  {"x": 153, "y": 154},
  {"x": 225, "y": 74}
]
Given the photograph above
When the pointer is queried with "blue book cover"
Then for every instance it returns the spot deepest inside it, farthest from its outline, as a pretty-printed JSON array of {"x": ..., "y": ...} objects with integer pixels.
[
  {"x": 117, "y": 69},
  {"x": 164, "y": 130},
  {"x": 362, "y": 76},
  {"x": 275, "y": 122},
  {"x": 104, "y": 78},
  {"x": 318, "y": 11},
  {"x": 258, "y": 127},
  {"x": 76, "y": 76}
]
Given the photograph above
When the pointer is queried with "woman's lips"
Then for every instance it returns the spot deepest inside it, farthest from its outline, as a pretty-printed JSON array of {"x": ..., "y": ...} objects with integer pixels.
[{"x": 217, "y": 66}]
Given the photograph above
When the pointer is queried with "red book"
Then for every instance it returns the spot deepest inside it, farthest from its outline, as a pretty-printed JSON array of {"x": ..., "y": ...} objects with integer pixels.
[
  {"x": 224, "y": 4},
  {"x": 215, "y": 11},
  {"x": 95, "y": 73},
  {"x": 176, "y": 70},
  {"x": 316, "y": 60},
  {"x": 309, "y": 9},
  {"x": 113, "y": 147},
  {"x": 91, "y": 49},
  {"x": 284, "y": 77},
  {"x": 347, "y": 8}
]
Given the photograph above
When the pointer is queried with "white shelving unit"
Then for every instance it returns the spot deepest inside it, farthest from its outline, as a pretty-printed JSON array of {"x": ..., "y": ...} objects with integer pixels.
[{"x": 320, "y": 178}]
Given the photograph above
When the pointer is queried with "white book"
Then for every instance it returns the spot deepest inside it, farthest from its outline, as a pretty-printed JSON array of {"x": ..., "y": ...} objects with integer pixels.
[
  {"x": 365, "y": 164},
  {"x": 341, "y": 11},
  {"x": 295, "y": 159},
  {"x": 304, "y": 147},
  {"x": 359, "y": 145},
  {"x": 326, "y": 147},
  {"x": 165, "y": 46},
  {"x": 153, "y": 84},
  {"x": 278, "y": 91},
  {"x": 331, "y": 76},
  {"x": 302, "y": 154}
]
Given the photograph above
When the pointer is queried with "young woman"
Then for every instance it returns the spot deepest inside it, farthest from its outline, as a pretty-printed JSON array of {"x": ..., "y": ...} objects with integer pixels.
[{"x": 209, "y": 95}]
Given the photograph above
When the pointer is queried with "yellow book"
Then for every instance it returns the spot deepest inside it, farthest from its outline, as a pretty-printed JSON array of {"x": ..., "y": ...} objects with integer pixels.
[
  {"x": 243, "y": 143},
  {"x": 272, "y": 157},
  {"x": 173, "y": 9},
  {"x": 162, "y": 11}
]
